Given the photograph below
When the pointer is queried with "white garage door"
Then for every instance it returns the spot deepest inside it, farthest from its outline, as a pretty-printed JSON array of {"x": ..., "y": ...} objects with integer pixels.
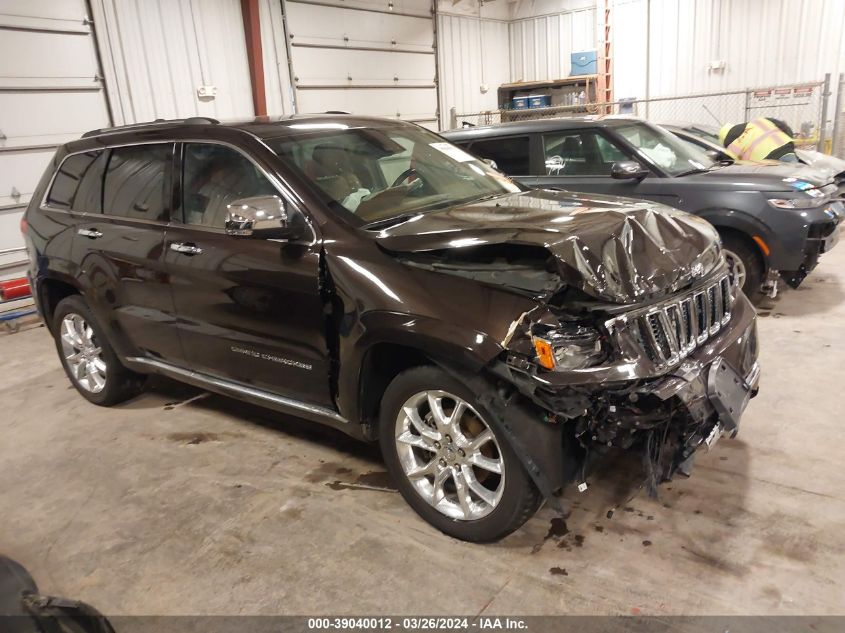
[
  {"x": 50, "y": 93},
  {"x": 371, "y": 57}
]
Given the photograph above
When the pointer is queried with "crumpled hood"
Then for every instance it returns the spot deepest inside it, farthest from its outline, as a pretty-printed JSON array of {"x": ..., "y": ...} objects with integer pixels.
[
  {"x": 830, "y": 164},
  {"x": 614, "y": 249}
]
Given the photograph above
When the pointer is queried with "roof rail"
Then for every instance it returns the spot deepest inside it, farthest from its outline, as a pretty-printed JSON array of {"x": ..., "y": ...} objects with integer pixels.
[
  {"x": 194, "y": 120},
  {"x": 336, "y": 112}
]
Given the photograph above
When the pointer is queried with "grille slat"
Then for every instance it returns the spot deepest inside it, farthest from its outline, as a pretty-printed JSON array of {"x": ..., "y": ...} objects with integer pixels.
[
  {"x": 689, "y": 327},
  {"x": 673, "y": 330}
]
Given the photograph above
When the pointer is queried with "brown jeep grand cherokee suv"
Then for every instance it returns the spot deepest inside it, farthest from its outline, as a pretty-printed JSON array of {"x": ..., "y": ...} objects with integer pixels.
[{"x": 365, "y": 274}]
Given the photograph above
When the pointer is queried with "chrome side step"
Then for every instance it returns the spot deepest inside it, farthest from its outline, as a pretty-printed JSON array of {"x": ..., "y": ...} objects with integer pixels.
[{"x": 240, "y": 391}]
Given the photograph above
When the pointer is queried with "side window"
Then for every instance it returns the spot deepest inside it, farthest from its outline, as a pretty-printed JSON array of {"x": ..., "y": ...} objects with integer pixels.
[
  {"x": 579, "y": 153},
  {"x": 78, "y": 185},
  {"x": 511, "y": 155},
  {"x": 609, "y": 152},
  {"x": 135, "y": 182},
  {"x": 214, "y": 176}
]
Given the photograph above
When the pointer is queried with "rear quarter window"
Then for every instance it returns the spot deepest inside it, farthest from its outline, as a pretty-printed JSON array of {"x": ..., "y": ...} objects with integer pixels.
[{"x": 78, "y": 185}]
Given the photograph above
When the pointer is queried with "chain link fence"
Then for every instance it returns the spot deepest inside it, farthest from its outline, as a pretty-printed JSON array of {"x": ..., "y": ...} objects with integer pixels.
[{"x": 802, "y": 106}]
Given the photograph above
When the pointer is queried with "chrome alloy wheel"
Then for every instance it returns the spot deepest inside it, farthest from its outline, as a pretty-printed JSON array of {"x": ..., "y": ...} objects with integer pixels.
[
  {"x": 83, "y": 356},
  {"x": 450, "y": 455},
  {"x": 736, "y": 267}
]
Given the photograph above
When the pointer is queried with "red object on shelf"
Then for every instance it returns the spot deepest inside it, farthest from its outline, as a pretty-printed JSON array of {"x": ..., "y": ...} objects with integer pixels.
[{"x": 14, "y": 289}]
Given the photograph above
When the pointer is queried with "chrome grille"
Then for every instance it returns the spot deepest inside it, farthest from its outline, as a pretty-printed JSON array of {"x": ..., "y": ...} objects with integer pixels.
[{"x": 672, "y": 330}]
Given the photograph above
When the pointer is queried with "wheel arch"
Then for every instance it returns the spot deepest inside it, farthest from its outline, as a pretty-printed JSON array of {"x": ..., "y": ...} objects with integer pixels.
[
  {"x": 398, "y": 342},
  {"x": 50, "y": 292},
  {"x": 744, "y": 225},
  {"x": 380, "y": 364}
]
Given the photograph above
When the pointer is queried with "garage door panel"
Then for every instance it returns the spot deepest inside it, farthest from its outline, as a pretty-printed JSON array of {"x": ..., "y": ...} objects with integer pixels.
[
  {"x": 411, "y": 105},
  {"x": 39, "y": 117},
  {"x": 23, "y": 56},
  {"x": 70, "y": 10},
  {"x": 369, "y": 62},
  {"x": 10, "y": 228},
  {"x": 21, "y": 171},
  {"x": 331, "y": 26},
  {"x": 414, "y": 7},
  {"x": 321, "y": 66}
]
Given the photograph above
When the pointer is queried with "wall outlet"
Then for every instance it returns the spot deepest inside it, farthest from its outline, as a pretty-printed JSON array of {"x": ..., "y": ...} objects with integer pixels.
[{"x": 207, "y": 92}]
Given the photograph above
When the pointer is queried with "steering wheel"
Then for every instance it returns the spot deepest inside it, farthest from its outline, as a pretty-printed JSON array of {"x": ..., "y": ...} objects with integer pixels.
[{"x": 405, "y": 175}]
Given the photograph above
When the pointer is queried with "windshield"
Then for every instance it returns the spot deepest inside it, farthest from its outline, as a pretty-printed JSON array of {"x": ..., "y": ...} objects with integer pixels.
[
  {"x": 380, "y": 173},
  {"x": 707, "y": 131},
  {"x": 665, "y": 149}
]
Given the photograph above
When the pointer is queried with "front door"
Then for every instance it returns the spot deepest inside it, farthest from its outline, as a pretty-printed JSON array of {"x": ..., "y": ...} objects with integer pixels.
[
  {"x": 581, "y": 160},
  {"x": 249, "y": 310}
]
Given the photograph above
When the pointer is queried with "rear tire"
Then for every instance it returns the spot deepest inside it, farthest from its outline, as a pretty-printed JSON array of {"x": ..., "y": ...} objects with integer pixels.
[
  {"x": 88, "y": 358},
  {"x": 444, "y": 458},
  {"x": 738, "y": 249}
]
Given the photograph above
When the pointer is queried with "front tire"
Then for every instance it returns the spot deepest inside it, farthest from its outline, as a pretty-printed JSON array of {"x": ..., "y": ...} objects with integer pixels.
[
  {"x": 745, "y": 262},
  {"x": 451, "y": 466},
  {"x": 87, "y": 357}
]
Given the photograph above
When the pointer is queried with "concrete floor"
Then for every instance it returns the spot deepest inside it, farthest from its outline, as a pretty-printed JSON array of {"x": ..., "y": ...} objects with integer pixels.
[{"x": 180, "y": 502}]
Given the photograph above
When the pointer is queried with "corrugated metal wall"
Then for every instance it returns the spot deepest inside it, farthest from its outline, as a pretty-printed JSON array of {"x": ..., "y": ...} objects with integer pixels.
[
  {"x": 540, "y": 47},
  {"x": 157, "y": 53},
  {"x": 763, "y": 42},
  {"x": 477, "y": 50},
  {"x": 473, "y": 52}
]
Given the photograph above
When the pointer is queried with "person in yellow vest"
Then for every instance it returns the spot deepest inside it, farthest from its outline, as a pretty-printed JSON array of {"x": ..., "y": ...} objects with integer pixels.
[{"x": 760, "y": 139}]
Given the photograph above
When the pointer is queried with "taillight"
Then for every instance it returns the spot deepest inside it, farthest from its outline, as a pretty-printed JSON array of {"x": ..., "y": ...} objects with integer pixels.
[{"x": 24, "y": 225}]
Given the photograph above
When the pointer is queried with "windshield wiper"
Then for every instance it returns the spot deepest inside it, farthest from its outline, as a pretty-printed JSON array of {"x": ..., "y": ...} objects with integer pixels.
[
  {"x": 434, "y": 206},
  {"x": 386, "y": 222},
  {"x": 690, "y": 172}
]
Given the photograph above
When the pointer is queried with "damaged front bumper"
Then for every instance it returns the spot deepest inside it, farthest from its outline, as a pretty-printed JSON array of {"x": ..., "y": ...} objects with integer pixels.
[
  {"x": 666, "y": 401},
  {"x": 822, "y": 236}
]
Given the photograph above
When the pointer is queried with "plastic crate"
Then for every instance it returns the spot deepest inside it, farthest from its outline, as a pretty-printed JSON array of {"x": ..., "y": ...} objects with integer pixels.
[{"x": 539, "y": 101}]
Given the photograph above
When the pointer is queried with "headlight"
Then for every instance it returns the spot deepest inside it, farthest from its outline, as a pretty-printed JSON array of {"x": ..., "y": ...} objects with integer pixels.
[
  {"x": 567, "y": 348},
  {"x": 798, "y": 203}
]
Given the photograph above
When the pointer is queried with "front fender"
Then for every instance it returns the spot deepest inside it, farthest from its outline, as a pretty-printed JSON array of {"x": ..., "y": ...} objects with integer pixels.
[
  {"x": 744, "y": 223},
  {"x": 439, "y": 341}
]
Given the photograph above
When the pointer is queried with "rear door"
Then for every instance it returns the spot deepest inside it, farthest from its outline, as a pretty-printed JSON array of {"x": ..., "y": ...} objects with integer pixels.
[
  {"x": 249, "y": 309},
  {"x": 118, "y": 243}
]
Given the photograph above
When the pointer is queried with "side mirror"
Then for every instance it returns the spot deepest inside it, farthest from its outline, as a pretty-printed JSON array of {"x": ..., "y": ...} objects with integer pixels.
[
  {"x": 490, "y": 163},
  {"x": 264, "y": 217},
  {"x": 628, "y": 170}
]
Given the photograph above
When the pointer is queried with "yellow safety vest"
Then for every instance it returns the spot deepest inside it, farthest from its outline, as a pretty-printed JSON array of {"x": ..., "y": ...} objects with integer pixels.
[{"x": 759, "y": 139}]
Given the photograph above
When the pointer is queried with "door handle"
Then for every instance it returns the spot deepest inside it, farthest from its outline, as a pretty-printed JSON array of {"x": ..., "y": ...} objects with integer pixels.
[
  {"x": 186, "y": 248},
  {"x": 90, "y": 233}
]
